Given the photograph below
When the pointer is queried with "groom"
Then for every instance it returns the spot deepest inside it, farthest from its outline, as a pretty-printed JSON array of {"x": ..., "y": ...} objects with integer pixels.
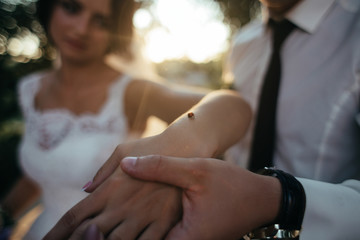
[{"x": 317, "y": 137}]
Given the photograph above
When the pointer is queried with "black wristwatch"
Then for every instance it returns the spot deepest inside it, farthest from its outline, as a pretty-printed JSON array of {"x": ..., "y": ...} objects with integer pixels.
[{"x": 289, "y": 220}]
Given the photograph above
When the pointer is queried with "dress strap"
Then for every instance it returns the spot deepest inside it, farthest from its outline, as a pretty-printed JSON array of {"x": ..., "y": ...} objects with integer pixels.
[
  {"x": 116, "y": 97},
  {"x": 27, "y": 88}
]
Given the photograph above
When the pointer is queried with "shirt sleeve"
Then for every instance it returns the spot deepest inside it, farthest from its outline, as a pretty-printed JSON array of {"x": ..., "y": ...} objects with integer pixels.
[{"x": 332, "y": 210}]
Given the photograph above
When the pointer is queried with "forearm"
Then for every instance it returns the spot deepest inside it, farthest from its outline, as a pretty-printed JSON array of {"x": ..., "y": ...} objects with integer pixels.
[
  {"x": 173, "y": 103},
  {"x": 332, "y": 210},
  {"x": 164, "y": 102},
  {"x": 220, "y": 119}
]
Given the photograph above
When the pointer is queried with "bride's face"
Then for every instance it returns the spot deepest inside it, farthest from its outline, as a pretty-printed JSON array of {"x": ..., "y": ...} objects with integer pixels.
[{"x": 80, "y": 28}]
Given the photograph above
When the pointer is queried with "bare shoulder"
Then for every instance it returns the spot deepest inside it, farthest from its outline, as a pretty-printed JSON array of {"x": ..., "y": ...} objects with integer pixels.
[
  {"x": 46, "y": 80},
  {"x": 139, "y": 88}
]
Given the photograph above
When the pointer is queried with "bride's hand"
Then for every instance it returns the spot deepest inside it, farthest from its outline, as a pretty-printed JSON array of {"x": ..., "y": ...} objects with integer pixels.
[{"x": 123, "y": 207}]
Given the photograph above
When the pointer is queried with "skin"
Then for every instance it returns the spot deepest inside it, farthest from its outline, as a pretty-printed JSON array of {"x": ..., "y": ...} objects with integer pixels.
[
  {"x": 79, "y": 30},
  {"x": 211, "y": 190},
  {"x": 278, "y": 8},
  {"x": 216, "y": 196},
  {"x": 92, "y": 233},
  {"x": 216, "y": 117}
]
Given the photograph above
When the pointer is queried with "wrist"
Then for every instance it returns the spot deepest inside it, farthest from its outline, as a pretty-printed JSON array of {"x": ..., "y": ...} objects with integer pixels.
[
  {"x": 186, "y": 139},
  {"x": 293, "y": 202},
  {"x": 288, "y": 220},
  {"x": 269, "y": 199}
]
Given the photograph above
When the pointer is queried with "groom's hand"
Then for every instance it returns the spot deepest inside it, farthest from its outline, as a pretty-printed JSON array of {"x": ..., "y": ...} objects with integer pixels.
[{"x": 220, "y": 200}]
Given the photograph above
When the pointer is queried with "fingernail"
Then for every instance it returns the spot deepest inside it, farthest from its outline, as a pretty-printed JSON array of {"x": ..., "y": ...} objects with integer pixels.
[
  {"x": 129, "y": 162},
  {"x": 86, "y": 185}
]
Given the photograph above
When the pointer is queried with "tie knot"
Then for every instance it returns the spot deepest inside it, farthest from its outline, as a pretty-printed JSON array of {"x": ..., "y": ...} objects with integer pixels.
[{"x": 281, "y": 30}]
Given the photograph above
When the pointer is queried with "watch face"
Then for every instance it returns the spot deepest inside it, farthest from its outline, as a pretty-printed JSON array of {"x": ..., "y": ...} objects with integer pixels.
[{"x": 272, "y": 232}]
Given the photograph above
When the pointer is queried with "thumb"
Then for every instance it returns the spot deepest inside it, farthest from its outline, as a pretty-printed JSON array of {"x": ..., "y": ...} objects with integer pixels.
[
  {"x": 104, "y": 172},
  {"x": 170, "y": 170}
]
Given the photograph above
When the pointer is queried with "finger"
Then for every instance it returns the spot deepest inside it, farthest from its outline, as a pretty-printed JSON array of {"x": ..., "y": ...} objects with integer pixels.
[
  {"x": 104, "y": 221},
  {"x": 170, "y": 170},
  {"x": 127, "y": 230},
  {"x": 157, "y": 230},
  {"x": 105, "y": 171},
  {"x": 179, "y": 232},
  {"x": 74, "y": 217},
  {"x": 80, "y": 231},
  {"x": 92, "y": 232},
  {"x": 86, "y": 231}
]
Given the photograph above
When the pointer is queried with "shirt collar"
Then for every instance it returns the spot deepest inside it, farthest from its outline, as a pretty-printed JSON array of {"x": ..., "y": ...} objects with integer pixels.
[{"x": 307, "y": 14}]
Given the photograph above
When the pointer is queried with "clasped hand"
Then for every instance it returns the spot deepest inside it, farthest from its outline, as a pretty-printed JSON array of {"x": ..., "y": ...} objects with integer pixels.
[
  {"x": 120, "y": 206},
  {"x": 219, "y": 201}
]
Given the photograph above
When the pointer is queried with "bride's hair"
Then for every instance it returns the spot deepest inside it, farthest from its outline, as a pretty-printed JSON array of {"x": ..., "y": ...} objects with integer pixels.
[{"x": 121, "y": 25}]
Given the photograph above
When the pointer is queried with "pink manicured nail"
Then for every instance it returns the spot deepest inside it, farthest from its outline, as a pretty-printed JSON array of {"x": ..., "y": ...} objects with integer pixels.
[
  {"x": 129, "y": 162},
  {"x": 86, "y": 186}
]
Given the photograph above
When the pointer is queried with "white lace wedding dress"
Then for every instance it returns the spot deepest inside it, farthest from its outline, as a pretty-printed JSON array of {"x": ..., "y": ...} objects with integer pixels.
[{"x": 62, "y": 152}]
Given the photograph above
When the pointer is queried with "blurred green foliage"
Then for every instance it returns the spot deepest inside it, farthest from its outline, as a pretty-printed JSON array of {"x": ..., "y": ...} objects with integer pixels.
[{"x": 17, "y": 22}]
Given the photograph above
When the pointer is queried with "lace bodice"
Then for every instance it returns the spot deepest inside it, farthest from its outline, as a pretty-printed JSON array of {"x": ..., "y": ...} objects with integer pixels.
[{"x": 62, "y": 151}]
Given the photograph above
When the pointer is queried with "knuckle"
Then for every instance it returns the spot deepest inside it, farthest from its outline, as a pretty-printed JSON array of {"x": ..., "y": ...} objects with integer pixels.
[
  {"x": 69, "y": 220},
  {"x": 115, "y": 235},
  {"x": 99, "y": 172},
  {"x": 154, "y": 231},
  {"x": 118, "y": 150},
  {"x": 147, "y": 238},
  {"x": 158, "y": 162},
  {"x": 117, "y": 155},
  {"x": 115, "y": 181},
  {"x": 78, "y": 234},
  {"x": 81, "y": 231},
  {"x": 154, "y": 162},
  {"x": 155, "y": 157},
  {"x": 200, "y": 170}
]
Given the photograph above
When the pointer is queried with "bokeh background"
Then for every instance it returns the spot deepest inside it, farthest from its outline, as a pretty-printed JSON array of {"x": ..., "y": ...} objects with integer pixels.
[{"x": 181, "y": 41}]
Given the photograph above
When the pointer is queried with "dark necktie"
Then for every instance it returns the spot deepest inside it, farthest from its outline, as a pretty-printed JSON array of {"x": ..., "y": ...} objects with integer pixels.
[{"x": 262, "y": 149}]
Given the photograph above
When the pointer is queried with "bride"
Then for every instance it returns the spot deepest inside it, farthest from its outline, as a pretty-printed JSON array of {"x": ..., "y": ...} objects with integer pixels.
[{"x": 76, "y": 114}]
